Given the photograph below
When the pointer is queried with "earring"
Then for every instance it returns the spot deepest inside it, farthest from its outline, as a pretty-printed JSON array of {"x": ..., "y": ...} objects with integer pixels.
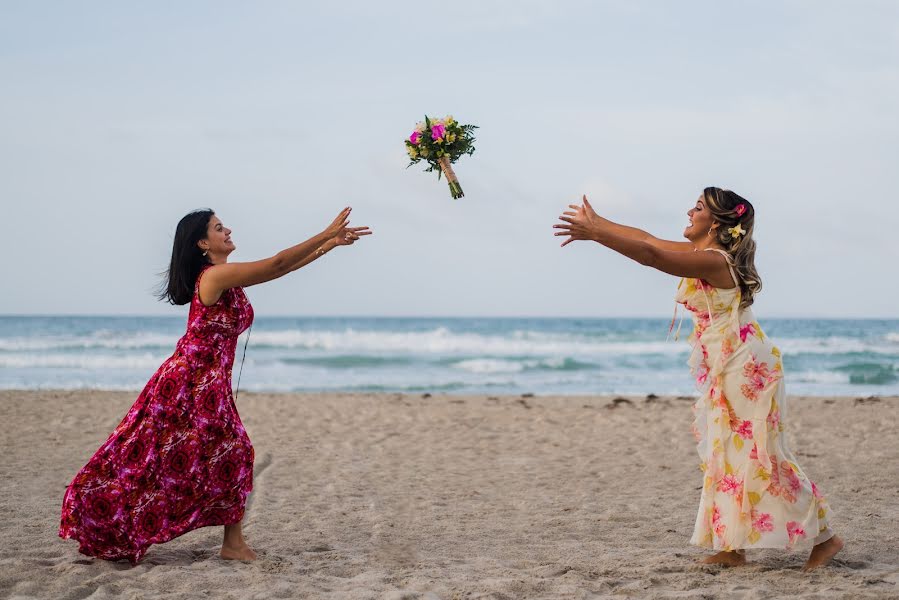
[
  {"x": 205, "y": 252},
  {"x": 709, "y": 234}
]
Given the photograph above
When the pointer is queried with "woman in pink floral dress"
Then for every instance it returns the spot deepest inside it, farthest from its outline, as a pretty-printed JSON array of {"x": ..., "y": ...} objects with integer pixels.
[
  {"x": 754, "y": 493},
  {"x": 181, "y": 459}
]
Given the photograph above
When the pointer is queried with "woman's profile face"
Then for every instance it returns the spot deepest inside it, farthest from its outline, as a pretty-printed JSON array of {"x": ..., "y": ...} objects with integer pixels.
[
  {"x": 219, "y": 238},
  {"x": 701, "y": 221}
]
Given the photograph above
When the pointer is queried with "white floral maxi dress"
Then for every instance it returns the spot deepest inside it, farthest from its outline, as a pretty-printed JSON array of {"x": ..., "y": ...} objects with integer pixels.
[{"x": 754, "y": 494}]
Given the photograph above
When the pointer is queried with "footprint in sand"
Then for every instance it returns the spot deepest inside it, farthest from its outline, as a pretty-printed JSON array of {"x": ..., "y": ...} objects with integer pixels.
[
  {"x": 261, "y": 465},
  {"x": 259, "y": 468},
  {"x": 273, "y": 564}
]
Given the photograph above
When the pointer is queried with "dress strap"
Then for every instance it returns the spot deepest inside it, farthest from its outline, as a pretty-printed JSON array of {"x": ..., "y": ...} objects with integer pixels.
[
  {"x": 730, "y": 264},
  {"x": 674, "y": 317}
]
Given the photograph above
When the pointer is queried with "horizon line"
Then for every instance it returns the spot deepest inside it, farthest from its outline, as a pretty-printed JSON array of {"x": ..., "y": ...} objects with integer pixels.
[{"x": 437, "y": 316}]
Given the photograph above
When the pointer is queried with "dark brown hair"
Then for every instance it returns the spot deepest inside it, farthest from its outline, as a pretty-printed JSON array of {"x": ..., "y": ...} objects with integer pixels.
[{"x": 725, "y": 207}]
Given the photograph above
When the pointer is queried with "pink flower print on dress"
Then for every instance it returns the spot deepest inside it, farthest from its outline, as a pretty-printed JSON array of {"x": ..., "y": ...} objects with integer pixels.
[
  {"x": 729, "y": 484},
  {"x": 749, "y": 392},
  {"x": 754, "y": 453},
  {"x": 703, "y": 374},
  {"x": 776, "y": 487},
  {"x": 789, "y": 474},
  {"x": 795, "y": 531},
  {"x": 744, "y": 430},
  {"x": 757, "y": 372},
  {"x": 773, "y": 419},
  {"x": 762, "y": 521},
  {"x": 775, "y": 478},
  {"x": 815, "y": 491},
  {"x": 758, "y": 376},
  {"x": 746, "y": 331},
  {"x": 720, "y": 529},
  {"x": 717, "y": 525}
]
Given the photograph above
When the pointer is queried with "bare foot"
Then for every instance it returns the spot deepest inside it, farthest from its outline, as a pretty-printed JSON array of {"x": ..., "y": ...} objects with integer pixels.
[
  {"x": 822, "y": 553},
  {"x": 244, "y": 553},
  {"x": 728, "y": 559}
]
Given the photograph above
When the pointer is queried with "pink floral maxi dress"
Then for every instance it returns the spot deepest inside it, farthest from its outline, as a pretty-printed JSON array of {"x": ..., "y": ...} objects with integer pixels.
[
  {"x": 754, "y": 493},
  {"x": 180, "y": 459}
]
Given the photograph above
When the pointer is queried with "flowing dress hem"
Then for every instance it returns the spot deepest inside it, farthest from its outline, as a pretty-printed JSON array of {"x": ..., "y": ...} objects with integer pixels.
[{"x": 75, "y": 534}]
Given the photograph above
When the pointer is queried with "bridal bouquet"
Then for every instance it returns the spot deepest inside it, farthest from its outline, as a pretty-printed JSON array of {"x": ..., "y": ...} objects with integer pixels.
[{"x": 441, "y": 142}]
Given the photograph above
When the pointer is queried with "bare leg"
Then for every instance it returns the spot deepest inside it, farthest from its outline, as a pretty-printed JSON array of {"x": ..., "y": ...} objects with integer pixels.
[
  {"x": 735, "y": 558},
  {"x": 234, "y": 547},
  {"x": 822, "y": 553}
]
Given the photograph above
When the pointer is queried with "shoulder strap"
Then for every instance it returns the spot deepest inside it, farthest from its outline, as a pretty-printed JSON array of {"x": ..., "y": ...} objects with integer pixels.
[{"x": 730, "y": 264}]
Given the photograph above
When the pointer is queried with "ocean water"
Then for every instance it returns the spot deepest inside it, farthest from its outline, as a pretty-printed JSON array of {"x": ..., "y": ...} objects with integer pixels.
[{"x": 449, "y": 355}]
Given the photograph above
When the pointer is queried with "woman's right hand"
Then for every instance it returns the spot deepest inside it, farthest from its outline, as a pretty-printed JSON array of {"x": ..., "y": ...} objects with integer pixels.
[
  {"x": 580, "y": 223},
  {"x": 348, "y": 235},
  {"x": 341, "y": 233},
  {"x": 338, "y": 224}
]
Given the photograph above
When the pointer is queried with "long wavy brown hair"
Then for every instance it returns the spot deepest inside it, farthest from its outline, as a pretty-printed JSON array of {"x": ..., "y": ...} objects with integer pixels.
[{"x": 724, "y": 206}]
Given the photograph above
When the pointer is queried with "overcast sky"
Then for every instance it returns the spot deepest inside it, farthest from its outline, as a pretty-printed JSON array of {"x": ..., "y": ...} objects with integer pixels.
[{"x": 120, "y": 117}]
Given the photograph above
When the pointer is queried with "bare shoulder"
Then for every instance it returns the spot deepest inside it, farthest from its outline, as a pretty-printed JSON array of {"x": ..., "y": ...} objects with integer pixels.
[
  {"x": 209, "y": 289},
  {"x": 218, "y": 278}
]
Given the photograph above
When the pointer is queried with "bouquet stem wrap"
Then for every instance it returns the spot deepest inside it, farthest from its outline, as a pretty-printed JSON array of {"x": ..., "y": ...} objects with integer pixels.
[{"x": 451, "y": 179}]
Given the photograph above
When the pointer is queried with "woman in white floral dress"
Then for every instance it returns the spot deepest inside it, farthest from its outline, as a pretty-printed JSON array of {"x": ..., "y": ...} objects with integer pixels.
[{"x": 754, "y": 493}]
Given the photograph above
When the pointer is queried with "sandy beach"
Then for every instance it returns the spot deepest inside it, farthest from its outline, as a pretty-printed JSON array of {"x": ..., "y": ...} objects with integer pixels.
[{"x": 411, "y": 496}]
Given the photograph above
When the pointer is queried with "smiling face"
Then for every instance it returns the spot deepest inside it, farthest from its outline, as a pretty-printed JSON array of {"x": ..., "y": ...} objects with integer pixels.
[
  {"x": 701, "y": 220},
  {"x": 217, "y": 241}
]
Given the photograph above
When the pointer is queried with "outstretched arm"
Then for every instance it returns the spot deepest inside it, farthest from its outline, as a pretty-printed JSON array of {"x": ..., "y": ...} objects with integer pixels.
[
  {"x": 578, "y": 225},
  {"x": 642, "y": 236},
  {"x": 345, "y": 238},
  {"x": 626, "y": 231},
  {"x": 225, "y": 276}
]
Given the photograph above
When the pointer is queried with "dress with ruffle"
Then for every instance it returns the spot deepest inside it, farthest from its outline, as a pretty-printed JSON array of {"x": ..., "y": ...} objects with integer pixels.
[
  {"x": 754, "y": 493},
  {"x": 181, "y": 458}
]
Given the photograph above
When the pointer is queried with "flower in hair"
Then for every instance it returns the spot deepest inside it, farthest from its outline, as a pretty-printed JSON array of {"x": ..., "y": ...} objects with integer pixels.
[
  {"x": 736, "y": 231},
  {"x": 740, "y": 209}
]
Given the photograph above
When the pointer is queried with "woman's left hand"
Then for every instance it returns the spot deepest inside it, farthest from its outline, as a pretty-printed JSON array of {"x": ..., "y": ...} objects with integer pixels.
[
  {"x": 580, "y": 223},
  {"x": 348, "y": 235}
]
